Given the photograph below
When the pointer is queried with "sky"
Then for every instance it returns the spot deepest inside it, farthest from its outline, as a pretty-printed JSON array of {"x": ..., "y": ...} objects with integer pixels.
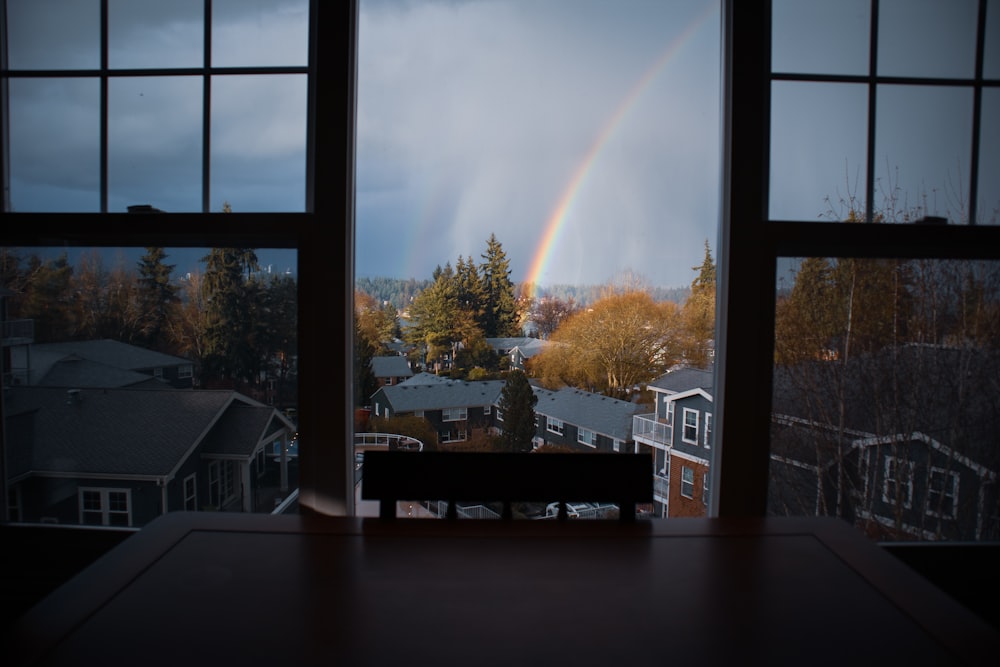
[{"x": 584, "y": 134}]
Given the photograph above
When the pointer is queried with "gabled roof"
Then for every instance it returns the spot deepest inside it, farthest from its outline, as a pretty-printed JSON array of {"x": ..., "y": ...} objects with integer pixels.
[
  {"x": 112, "y": 353},
  {"x": 391, "y": 367},
  {"x": 407, "y": 397},
  {"x": 94, "y": 363},
  {"x": 426, "y": 378},
  {"x": 74, "y": 371},
  {"x": 684, "y": 378},
  {"x": 527, "y": 346},
  {"x": 119, "y": 432},
  {"x": 240, "y": 429},
  {"x": 608, "y": 416}
]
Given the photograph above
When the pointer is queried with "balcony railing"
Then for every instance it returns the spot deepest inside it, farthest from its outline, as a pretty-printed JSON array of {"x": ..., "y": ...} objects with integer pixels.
[
  {"x": 645, "y": 428},
  {"x": 661, "y": 486}
]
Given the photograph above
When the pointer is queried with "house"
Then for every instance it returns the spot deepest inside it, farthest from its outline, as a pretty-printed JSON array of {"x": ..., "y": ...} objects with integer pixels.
[
  {"x": 98, "y": 363},
  {"x": 390, "y": 370},
  {"x": 455, "y": 408},
  {"x": 517, "y": 350},
  {"x": 121, "y": 457},
  {"x": 582, "y": 421},
  {"x": 678, "y": 434}
]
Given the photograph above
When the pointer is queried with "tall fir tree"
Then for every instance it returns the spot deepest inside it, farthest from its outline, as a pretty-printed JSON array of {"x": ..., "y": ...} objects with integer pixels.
[
  {"x": 698, "y": 313},
  {"x": 157, "y": 297},
  {"x": 517, "y": 405},
  {"x": 500, "y": 316},
  {"x": 230, "y": 295}
]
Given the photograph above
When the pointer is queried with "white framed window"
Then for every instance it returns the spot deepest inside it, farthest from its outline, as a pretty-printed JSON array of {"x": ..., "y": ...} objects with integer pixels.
[
  {"x": 897, "y": 481},
  {"x": 105, "y": 507},
  {"x": 191, "y": 493},
  {"x": 377, "y": 409},
  {"x": 221, "y": 482},
  {"x": 157, "y": 372},
  {"x": 670, "y": 412},
  {"x": 707, "y": 436},
  {"x": 446, "y": 436},
  {"x": 418, "y": 413},
  {"x": 261, "y": 462},
  {"x": 690, "y": 432},
  {"x": 454, "y": 414},
  {"x": 942, "y": 493},
  {"x": 616, "y": 445},
  {"x": 554, "y": 425},
  {"x": 499, "y": 416},
  {"x": 486, "y": 409},
  {"x": 687, "y": 482},
  {"x": 586, "y": 437},
  {"x": 704, "y": 489},
  {"x": 184, "y": 372}
]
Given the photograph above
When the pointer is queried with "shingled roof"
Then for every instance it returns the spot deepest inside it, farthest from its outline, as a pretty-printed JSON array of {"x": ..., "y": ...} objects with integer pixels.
[
  {"x": 125, "y": 432},
  {"x": 94, "y": 363},
  {"x": 595, "y": 412},
  {"x": 406, "y": 397},
  {"x": 684, "y": 378}
]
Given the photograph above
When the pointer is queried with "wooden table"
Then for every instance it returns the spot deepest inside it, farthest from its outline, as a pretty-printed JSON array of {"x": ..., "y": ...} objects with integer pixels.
[{"x": 228, "y": 589}]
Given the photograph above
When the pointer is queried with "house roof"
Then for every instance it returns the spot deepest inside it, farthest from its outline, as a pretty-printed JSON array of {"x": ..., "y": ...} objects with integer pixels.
[
  {"x": 394, "y": 366},
  {"x": 121, "y": 432},
  {"x": 426, "y": 378},
  {"x": 407, "y": 397},
  {"x": 239, "y": 430},
  {"x": 57, "y": 364},
  {"x": 684, "y": 378},
  {"x": 527, "y": 346},
  {"x": 602, "y": 414}
]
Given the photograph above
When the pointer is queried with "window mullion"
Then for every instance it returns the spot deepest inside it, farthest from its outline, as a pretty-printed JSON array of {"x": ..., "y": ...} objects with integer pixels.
[
  {"x": 977, "y": 102},
  {"x": 872, "y": 89},
  {"x": 206, "y": 112},
  {"x": 104, "y": 108}
]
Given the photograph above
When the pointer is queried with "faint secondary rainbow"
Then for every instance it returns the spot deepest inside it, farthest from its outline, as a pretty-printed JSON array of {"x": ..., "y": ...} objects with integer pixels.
[{"x": 557, "y": 219}]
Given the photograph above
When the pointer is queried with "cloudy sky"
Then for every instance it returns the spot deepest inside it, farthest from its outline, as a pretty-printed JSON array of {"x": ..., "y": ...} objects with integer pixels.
[{"x": 585, "y": 134}]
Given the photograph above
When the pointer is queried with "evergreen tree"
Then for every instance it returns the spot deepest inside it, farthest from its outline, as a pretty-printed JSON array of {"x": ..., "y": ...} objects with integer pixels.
[
  {"x": 517, "y": 405},
  {"x": 698, "y": 313},
  {"x": 230, "y": 294},
  {"x": 157, "y": 297},
  {"x": 47, "y": 298},
  {"x": 500, "y": 316}
]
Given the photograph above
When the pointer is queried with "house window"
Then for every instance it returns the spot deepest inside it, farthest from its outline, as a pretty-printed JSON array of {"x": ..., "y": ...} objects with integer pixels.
[
  {"x": 105, "y": 507},
  {"x": 418, "y": 413},
  {"x": 454, "y": 414},
  {"x": 708, "y": 429},
  {"x": 586, "y": 437},
  {"x": 690, "y": 434},
  {"x": 377, "y": 409},
  {"x": 897, "y": 482},
  {"x": 942, "y": 493},
  {"x": 184, "y": 372},
  {"x": 191, "y": 493},
  {"x": 486, "y": 409},
  {"x": 499, "y": 416},
  {"x": 158, "y": 372},
  {"x": 704, "y": 489},
  {"x": 687, "y": 482},
  {"x": 616, "y": 445},
  {"x": 261, "y": 462},
  {"x": 221, "y": 482},
  {"x": 554, "y": 425},
  {"x": 670, "y": 412}
]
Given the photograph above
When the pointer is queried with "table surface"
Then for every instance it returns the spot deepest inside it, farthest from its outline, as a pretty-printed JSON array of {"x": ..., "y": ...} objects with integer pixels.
[{"x": 200, "y": 588}]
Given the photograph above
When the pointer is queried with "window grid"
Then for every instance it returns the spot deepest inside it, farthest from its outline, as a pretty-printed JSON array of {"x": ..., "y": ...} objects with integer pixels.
[{"x": 687, "y": 482}]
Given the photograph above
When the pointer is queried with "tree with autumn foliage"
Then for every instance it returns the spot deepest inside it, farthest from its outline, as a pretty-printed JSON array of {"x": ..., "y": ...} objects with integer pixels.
[
  {"x": 698, "y": 314},
  {"x": 624, "y": 339}
]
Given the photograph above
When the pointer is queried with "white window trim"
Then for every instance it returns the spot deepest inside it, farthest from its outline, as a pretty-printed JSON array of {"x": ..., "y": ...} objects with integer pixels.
[
  {"x": 706, "y": 476},
  {"x": 106, "y": 512},
  {"x": 890, "y": 469},
  {"x": 684, "y": 426},
  {"x": 486, "y": 409},
  {"x": 685, "y": 483},
  {"x": 448, "y": 414},
  {"x": 193, "y": 479},
  {"x": 553, "y": 425},
  {"x": 670, "y": 412},
  {"x": 707, "y": 435},
  {"x": 930, "y": 508},
  {"x": 499, "y": 416},
  {"x": 591, "y": 441},
  {"x": 184, "y": 372}
]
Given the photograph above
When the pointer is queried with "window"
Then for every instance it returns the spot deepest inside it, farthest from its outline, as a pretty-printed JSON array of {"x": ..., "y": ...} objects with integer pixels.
[
  {"x": 221, "y": 482},
  {"x": 191, "y": 493},
  {"x": 486, "y": 409},
  {"x": 554, "y": 425},
  {"x": 690, "y": 433},
  {"x": 897, "y": 483},
  {"x": 454, "y": 414},
  {"x": 158, "y": 372},
  {"x": 708, "y": 429},
  {"x": 586, "y": 437},
  {"x": 670, "y": 412},
  {"x": 687, "y": 482},
  {"x": 184, "y": 372},
  {"x": 105, "y": 507},
  {"x": 704, "y": 489},
  {"x": 616, "y": 445},
  {"x": 261, "y": 462},
  {"x": 499, "y": 415},
  {"x": 942, "y": 493}
]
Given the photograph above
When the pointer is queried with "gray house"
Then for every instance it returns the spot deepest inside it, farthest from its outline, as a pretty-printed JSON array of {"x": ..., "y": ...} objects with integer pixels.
[
  {"x": 121, "y": 457},
  {"x": 582, "y": 421},
  {"x": 455, "y": 408},
  {"x": 391, "y": 370},
  {"x": 97, "y": 363}
]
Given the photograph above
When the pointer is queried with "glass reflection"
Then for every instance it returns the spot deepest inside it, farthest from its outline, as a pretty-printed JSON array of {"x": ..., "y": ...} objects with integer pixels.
[
  {"x": 820, "y": 36},
  {"x": 35, "y": 41},
  {"x": 818, "y": 150},
  {"x": 259, "y": 32},
  {"x": 154, "y": 143},
  {"x": 923, "y": 141},
  {"x": 54, "y": 144},
  {"x": 150, "y": 33},
  {"x": 258, "y": 142},
  {"x": 991, "y": 53},
  {"x": 927, "y": 38},
  {"x": 988, "y": 199}
]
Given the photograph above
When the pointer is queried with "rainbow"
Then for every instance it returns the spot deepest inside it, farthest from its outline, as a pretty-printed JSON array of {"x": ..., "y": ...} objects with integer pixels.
[{"x": 557, "y": 219}]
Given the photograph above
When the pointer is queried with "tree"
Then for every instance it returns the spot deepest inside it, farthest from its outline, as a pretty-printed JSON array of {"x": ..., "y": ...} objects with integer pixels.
[
  {"x": 157, "y": 297},
  {"x": 698, "y": 313},
  {"x": 550, "y": 312},
  {"x": 623, "y": 340},
  {"x": 47, "y": 298},
  {"x": 500, "y": 316},
  {"x": 439, "y": 324},
  {"x": 517, "y": 405},
  {"x": 230, "y": 290}
]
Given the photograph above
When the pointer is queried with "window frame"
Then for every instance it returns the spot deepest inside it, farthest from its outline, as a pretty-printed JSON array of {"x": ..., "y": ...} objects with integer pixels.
[
  {"x": 553, "y": 425},
  {"x": 930, "y": 506},
  {"x": 449, "y": 414},
  {"x": 191, "y": 506},
  {"x": 586, "y": 437},
  {"x": 104, "y": 496},
  {"x": 687, "y": 471},
  {"x": 693, "y": 440},
  {"x": 890, "y": 477}
]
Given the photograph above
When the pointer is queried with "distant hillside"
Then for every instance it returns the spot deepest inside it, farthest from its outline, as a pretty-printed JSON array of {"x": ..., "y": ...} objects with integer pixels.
[{"x": 400, "y": 292}]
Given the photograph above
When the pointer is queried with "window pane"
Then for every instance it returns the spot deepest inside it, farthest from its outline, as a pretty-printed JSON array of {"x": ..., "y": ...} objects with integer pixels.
[
  {"x": 86, "y": 331},
  {"x": 923, "y": 142},
  {"x": 54, "y": 145},
  {"x": 820, "y": 36},
  {"x": 927, "y": 38},
  {"x": 260, "y": 32},
  {"x": 988, "y": 205},
  {"x": 259, "y": 142},
  {"x": 991, "y": 54},
  {"x": 154, "y": 143},
  {"x": 152, "y": 33},
  {"x": 818, "y": 150},
  {"x": 36, "y": 41},
  {"x": 886, "y": 409}
]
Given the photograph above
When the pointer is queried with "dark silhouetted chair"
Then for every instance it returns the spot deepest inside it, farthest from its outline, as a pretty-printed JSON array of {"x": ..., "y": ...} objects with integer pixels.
[{"x": 391, "y": 476}]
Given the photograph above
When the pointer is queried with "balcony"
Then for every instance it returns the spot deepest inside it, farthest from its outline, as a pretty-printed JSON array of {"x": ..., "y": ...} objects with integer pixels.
[
  {"x": 648, "y": 430},
  {"x": 661, "y": 486}
]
